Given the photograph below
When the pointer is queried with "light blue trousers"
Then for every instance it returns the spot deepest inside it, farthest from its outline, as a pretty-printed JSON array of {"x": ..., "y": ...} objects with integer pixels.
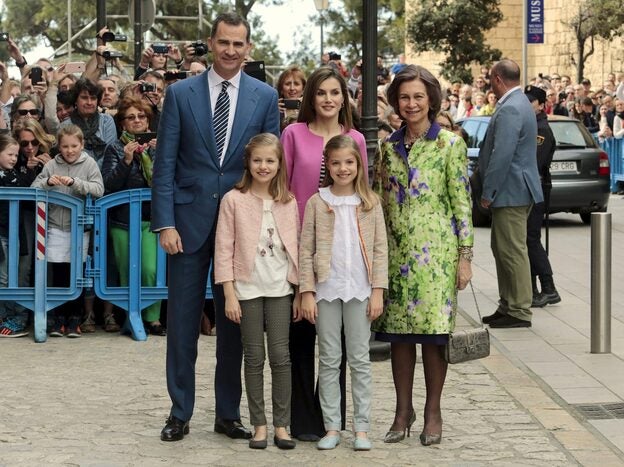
[{"x": 331, "y": 317}]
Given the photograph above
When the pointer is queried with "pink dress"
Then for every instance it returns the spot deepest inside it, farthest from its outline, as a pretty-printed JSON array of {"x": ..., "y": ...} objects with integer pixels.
[{"x": 303, "y": 154}]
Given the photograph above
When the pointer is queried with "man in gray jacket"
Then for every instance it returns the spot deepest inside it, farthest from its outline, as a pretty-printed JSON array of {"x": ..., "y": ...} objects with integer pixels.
[{"x": 511, "y": 185}]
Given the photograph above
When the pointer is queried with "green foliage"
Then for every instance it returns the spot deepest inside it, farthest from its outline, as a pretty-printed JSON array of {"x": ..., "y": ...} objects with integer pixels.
[
  {"x": 304, "y": 55},
  {"x": 456, "y": 29},
  {"x": 31, "y": 22},
  {"x": 343, "y": 28},
  {"x": 264, "y": 46},
  {"x": 594, "y": 19}
]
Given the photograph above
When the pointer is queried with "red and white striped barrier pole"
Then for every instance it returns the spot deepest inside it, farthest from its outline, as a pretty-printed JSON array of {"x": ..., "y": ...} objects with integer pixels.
[
  {"x": 41, "y": 230},
  {"x": 41, "y": 279}
]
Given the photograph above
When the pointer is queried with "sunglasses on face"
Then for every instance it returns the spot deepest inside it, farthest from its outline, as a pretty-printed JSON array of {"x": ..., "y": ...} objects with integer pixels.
[
  {"x": 25, "y": 144},
  {"x": 24, "y": 112}
]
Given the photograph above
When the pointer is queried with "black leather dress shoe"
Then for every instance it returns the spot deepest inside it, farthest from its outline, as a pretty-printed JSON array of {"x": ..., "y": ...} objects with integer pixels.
[
  {"x": 508, "y": 321},
  {"x": 232, "y": 428},
  {"x": 174, "y": 430},
  {"x": 494, "y": 316}
]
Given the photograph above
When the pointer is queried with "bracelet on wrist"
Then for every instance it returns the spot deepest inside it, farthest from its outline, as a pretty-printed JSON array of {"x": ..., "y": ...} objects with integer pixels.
[
  {"x": 466, "y": 253},
  {"x": 21, "y": 64}
]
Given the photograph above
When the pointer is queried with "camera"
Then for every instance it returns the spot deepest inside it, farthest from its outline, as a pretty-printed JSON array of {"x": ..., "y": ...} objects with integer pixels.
[
  {"x": 200, "y": 48},
  {"x": 292, "y": 104},
  {"x": 112, "y": 37},
  {"x": 144, "y": 138},
  {"x": 4, "y": 36},
  {"x": 256, "y": 70},
  {"x": 36, "y": 75},
  {"x": 111, "y": 54},
  {"x": 334, "y": 56},
  {"x": 160, "y": 48},
  {"x": 174, "y": 75},
  {"x": 147, "y": 87}
]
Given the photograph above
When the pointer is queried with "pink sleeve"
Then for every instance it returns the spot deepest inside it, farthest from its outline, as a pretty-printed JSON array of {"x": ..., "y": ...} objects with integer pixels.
[
  {"x": 289, "y": 149},
  {"x": 224, "y": 242}
]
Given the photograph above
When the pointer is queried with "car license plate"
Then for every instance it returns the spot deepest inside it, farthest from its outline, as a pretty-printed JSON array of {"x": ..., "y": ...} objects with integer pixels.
[{"x": 563, "y": 166}]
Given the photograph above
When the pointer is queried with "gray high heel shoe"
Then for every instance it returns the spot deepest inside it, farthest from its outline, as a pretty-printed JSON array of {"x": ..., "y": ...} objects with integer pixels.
[
  {"x": 396, "y": 436},
  {"x": 428, "y": 440}
]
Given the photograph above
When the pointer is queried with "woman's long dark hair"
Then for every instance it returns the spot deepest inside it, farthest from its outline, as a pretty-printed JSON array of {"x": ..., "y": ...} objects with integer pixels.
[{"x": 307, "y": 114}]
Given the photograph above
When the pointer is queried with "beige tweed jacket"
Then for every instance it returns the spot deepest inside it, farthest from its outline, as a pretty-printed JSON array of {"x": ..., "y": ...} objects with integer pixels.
[{"x": 316, "y": 241}]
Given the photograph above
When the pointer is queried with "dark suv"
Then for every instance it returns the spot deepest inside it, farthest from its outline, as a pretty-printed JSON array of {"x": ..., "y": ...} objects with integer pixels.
[{"x": 579, "y": 170}]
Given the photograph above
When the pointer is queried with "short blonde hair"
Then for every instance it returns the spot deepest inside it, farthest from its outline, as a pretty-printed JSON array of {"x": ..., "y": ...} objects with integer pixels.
[{"x": 70, "y": 130}]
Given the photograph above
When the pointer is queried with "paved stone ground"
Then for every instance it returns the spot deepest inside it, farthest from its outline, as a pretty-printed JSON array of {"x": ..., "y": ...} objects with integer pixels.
[{"x": 102, "y": 400}]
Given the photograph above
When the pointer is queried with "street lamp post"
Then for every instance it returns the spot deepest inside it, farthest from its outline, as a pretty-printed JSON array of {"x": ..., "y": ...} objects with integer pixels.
[{"x": 321, "y": 6}]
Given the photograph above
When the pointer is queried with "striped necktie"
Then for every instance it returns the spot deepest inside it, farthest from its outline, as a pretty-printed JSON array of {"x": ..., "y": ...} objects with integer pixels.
[{"x": 220, "y": 117}]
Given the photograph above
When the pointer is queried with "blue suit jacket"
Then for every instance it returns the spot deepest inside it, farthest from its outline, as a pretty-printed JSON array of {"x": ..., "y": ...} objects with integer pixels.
[
  {"x": 507, "y": 161},
  {"x": 188, "y": 181}
]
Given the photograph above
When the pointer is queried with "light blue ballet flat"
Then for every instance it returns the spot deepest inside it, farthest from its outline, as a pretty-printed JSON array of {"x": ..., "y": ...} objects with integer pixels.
[
  {"x": 362, "y": 444},
  {"x": 328, "y": 442}
]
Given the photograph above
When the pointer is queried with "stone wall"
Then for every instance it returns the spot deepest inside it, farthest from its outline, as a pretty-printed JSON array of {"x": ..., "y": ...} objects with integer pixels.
[{"x": 555, "y": 55}]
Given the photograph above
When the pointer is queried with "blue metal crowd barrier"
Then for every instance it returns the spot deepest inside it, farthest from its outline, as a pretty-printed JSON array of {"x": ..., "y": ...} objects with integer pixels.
[
  {"x": 615, "y": 149},
  {"x": 134, "y": 297},
  {"x": 41, "y": 298}
]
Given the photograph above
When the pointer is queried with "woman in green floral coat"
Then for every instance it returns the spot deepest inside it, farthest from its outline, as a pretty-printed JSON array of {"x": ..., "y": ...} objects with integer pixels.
[{"x": 421, "y": 176}]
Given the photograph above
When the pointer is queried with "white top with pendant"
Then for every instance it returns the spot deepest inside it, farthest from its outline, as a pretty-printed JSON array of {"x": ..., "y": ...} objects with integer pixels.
[
  {"x": 268, "y": 278},
  {"x": 348, "y": 277}
]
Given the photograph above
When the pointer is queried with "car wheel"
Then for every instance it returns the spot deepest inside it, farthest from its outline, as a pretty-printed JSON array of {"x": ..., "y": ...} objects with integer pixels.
[{"x": 479, "y": 218}]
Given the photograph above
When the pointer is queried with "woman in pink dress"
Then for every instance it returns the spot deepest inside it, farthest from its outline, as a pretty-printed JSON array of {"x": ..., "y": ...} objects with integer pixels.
[{"x": 325, "y": 112}]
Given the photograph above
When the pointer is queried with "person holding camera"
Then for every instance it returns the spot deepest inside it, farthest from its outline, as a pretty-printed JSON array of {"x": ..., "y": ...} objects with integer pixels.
[
  {"x": 16, "y": 54},
  {"x": 128, "y": 164},
  {"x": 193, "y": 52},
  {"x": 104, "y": 55},
  {"x": 205, "y": 123},
  {"x": 151, "y": 89},
  {"x": 290, "y": 89},
  {"x": 335, "y": 61},
  {"x": 155, "y": 57}
]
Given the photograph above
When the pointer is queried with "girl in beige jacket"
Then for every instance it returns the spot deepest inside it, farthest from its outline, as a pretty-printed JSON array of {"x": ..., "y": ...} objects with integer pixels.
[{"x": 343, "y": 269}]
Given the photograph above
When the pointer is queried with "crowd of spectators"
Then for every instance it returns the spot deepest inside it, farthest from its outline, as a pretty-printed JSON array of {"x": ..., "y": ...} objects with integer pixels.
[{"x": 112, "y": 106}]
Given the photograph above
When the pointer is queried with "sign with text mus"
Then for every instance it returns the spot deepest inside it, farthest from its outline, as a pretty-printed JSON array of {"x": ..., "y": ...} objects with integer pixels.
[{"x": 535, "y": 22}]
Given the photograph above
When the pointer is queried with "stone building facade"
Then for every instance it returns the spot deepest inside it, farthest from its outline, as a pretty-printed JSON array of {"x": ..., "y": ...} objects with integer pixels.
[{"x": 556, "y": 54}]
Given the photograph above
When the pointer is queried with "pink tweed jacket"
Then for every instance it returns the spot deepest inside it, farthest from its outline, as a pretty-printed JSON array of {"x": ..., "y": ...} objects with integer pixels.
[
  {"x": 317, "y": 238},
  {"x": 238, "y": 233}
]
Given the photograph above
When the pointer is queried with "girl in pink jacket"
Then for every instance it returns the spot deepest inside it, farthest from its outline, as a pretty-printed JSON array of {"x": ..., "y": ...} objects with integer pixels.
[{"x": 256, "y": 260}]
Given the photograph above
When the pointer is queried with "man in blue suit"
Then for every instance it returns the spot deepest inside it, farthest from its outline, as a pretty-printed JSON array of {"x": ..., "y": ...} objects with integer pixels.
[
  {"x": 194, "y": 167},
  {"x": 511, "y": 185}
]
